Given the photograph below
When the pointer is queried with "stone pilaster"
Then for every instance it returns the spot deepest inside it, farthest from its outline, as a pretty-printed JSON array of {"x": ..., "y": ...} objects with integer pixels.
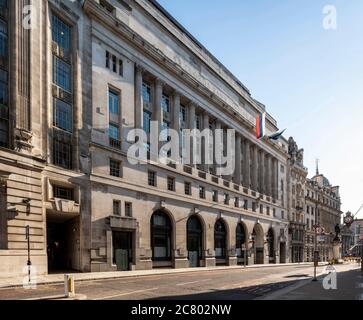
[
  {"x": 246, "y": 164},
  {"x": 262, "y": 172},
  {"x": 254, "y": 168},
  {"x": 237, "y": 171},
  {"x": 268, "y": 176}
]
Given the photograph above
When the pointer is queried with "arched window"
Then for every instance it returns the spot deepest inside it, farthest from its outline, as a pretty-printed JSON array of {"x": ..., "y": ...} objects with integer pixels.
[
  {"x": 194, "y": 241},
  {"x": 220, "y": 242},
  {"x": 240, "y": 240},
  {"x": 161, "y": 236},
  {"x": 270, "y": 239}
]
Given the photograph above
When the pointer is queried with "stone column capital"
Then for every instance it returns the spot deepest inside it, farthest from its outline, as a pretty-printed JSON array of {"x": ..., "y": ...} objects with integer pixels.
[
  {"x": 140, "y": 69},
  {"x": 159, "y": 82}
]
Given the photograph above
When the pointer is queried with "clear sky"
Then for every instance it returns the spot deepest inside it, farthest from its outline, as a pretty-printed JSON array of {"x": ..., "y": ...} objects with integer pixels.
[{"x": 309, "y": 78}]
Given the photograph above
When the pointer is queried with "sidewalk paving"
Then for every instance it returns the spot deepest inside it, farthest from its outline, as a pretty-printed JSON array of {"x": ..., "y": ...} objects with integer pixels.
[
  {"x": 349, "y": 287},
  {"x": 59, "y": 278}
]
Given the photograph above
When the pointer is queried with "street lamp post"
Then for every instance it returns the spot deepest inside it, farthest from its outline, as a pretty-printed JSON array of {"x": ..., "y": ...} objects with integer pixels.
[{"x": 316, "y": 252}]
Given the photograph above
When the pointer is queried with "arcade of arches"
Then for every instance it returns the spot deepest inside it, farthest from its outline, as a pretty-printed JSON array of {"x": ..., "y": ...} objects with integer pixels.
[{"x": 256, "y": 247}]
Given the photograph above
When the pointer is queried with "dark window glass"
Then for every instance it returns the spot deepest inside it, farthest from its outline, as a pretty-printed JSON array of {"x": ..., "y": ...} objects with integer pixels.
[
  {"x": 161, "y": 236},
  {"x": 116, "y": 208},
  {"x": 62, "y": 74},
  {"x": 240, "y": 240},
  {"x": 113, "y": 102},
  {"x": 165, "y": 103},
  {"x": 201, "y": 192},
  {"x": 114, "y": 132},
  {"x": 114, "y": 64},
  {"x": 120, "y": 68},
  {"x": 128, "y": 209},
  {"x": 220, "y": 242},
  {"x": 188, "y": 188},
  {"x": 4, "y": 135},
  {"x": 115, "y": 168},
  {"x": 152, "y": 178},
  {"x": 215, "y": 196},
  {"x": 107, "y": 60},
  {"x": 147, "y": 120},
  {"x": 171, "y": 184},
  {"x": 146, "y": 93},
  {"x": 62, "y": 152},
  {"x": 62, "y": 115},
  {"x": 61, "y": 33},
  {"x": 63, "y": 193}
]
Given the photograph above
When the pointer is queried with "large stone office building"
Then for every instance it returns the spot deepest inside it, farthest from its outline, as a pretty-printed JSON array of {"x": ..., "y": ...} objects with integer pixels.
[{"x": 75, "y": 84}]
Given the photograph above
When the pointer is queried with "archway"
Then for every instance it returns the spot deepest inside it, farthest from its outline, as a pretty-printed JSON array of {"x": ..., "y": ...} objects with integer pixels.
[
  {"x": 271, "y": 246},
  {"x": 220, "y": 242},
  {"x": 241, "y": 248},
  {"x": 194, "y": 241},
  {"x": 161, "y": 238},
  {"x": 258, "y": 244}
]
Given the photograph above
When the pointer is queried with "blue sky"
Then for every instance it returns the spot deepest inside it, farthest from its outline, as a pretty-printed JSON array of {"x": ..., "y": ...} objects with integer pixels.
[{"x": 309, "y": 78}]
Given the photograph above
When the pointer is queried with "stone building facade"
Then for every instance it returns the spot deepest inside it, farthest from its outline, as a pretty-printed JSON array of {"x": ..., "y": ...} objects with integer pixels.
[{"x": 77, "y": 82}]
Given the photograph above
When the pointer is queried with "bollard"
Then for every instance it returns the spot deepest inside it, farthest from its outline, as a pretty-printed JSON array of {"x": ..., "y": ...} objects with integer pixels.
[{"x": 70, "y": 291}]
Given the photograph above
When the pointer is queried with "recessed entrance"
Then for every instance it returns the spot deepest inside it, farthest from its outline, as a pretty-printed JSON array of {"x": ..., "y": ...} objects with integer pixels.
[
  {"x": 63, "y": 243},
  {"x": 122, "y": 250},
  {"x": 258, "y": 244},
  {"x": 195, "y": 241},
  {"x": 220, "y": 242}
]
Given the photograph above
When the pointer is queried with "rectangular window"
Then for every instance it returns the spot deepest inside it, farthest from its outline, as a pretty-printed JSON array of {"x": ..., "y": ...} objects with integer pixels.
[
  {"x": 274, "y": 212},
  {"x": 62, "y": 74},
  {"x": 268, "y": 211},
  {"x": 63, "y": 193},
  {"x": 114, "y": 64},
  {"x": 62, "y": 153},
  {"x": 113, "y": 102},
  {"x": 171, "y": 184},
  {"x": 107, "y": 60},
  {"x": 165, "y": 103},
  {"x": 128, "y": 209},
  {"x": 152, "y": 178},
  {"x": 147, "y": 120},
  {"x": 254, "y": 206},
  {"x": 4, "y": 137},
  {"x": 3, "y": 40},
  {"x": 182, "y": 116},
  {"x": 146, "y": 93},
  {"x": 114, "y": 132},
  {"x": 61, "y": 33},
  {"x": 201, "y": 192},
  {"x": 236, "y": 202},
  {"x": 261, "y": 209},
  {"x": 115, "y": 168},
  {"x": 62, "y": 117},
  {"x": 245, "y": 205},
  {"x": 116, "y": 208},
  {"x": 188, "y": 188},
  {"x": 226, "y": 199},
  {"x": 215, "y": 196}
]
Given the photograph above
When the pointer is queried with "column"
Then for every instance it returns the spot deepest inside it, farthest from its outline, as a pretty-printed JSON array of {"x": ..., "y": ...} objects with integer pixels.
[
  {"x": 191, "y": 126},
  {"x": 139, "y": 108},
  {"x": 274, "y": 179},
  {"x": 205, "y": 144},
  {"x": 268, "y": 176},
  {"x": 246, "y": 165},
  {"x": 218, "y": 126},
  {"x": 262, "y": 172},
  {"x": 237, "y": 170},
  {"x": 254, "y": 168}
]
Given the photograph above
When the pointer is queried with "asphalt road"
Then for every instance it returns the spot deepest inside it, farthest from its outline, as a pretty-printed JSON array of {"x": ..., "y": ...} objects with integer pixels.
[{"x": 235, "y": 284}]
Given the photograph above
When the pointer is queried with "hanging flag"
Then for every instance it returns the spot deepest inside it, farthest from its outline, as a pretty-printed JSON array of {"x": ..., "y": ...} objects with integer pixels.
[
  {"x": 277, "y": 135},
  {"x": 260, "y": 125}
]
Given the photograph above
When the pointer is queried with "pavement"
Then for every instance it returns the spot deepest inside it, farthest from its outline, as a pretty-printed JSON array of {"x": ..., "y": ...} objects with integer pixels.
[
  {"x": 349, "y": 286},
  {"x": 197, "y": 284},
  {"x": 8, "y": 282}
]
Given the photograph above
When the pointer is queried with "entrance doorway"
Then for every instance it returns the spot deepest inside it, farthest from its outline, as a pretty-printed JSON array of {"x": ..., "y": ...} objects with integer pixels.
[
  {"x": 122, "y": 250},
  {"x": 195, "y": 241},
  {"x": 282, "y": 252},
  {"x": 63, "y": 244}
]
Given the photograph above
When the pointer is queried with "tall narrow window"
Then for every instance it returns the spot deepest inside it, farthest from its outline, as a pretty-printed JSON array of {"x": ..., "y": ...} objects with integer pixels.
[
  {"x": 116, "y": 208},
  {"x": 146, "y": 92},
  {"x": 147, "y": 120},
  {"x": 114, "y": 64},
  {"x": 107, "y": 60},
  {"x": 128, "y": 209},
  {"x": 62, "y": 107},
  {"x": 113, "y": 102},
  {"x": 165, "y": 103}
]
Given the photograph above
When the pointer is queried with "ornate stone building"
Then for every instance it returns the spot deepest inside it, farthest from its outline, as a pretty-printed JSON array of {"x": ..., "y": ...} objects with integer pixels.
[{"x": 76, "y": 83}]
